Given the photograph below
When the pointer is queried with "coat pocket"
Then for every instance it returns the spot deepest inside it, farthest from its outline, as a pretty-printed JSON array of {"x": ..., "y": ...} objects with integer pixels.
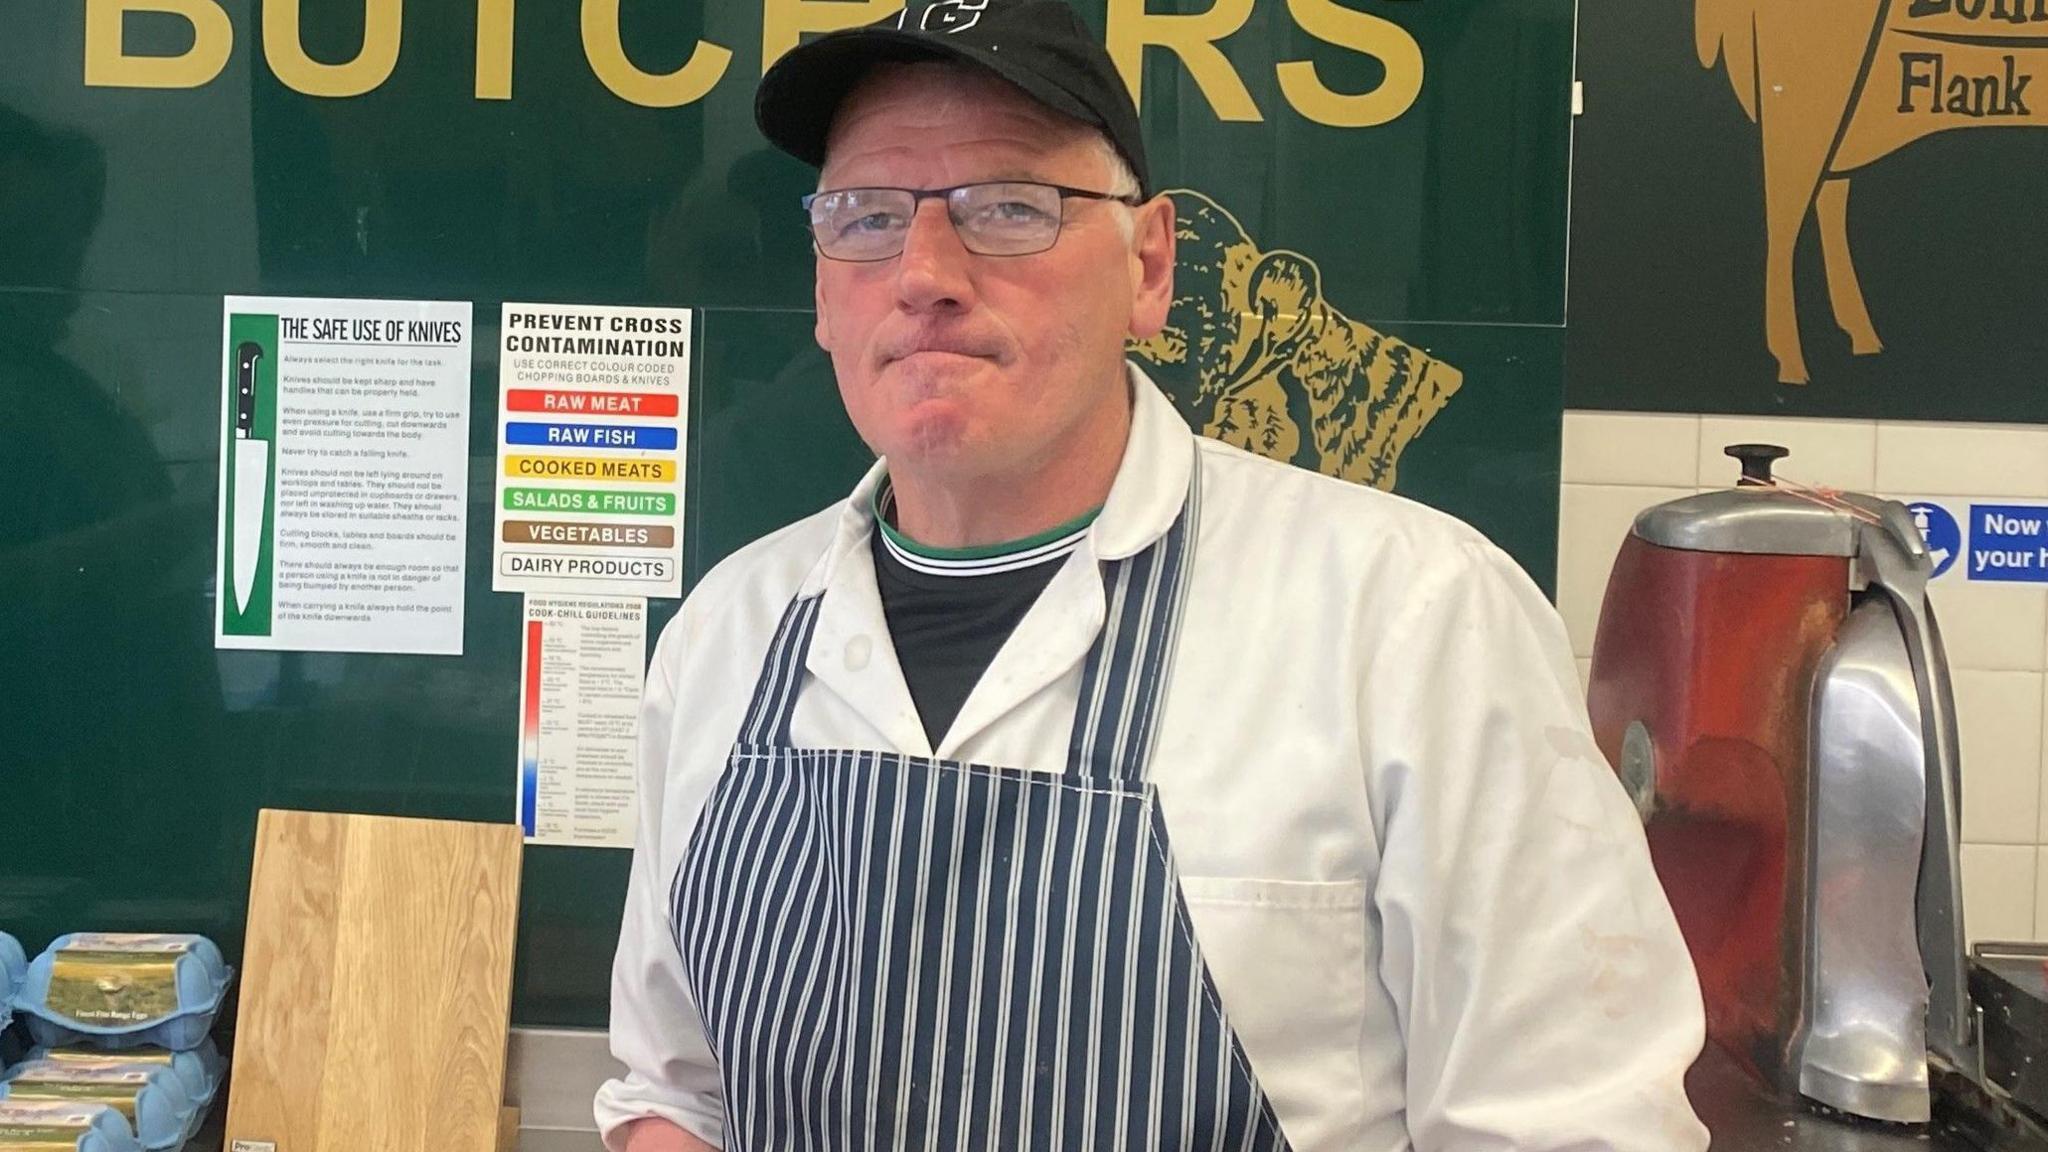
[{"x": 1288, "y": 959}]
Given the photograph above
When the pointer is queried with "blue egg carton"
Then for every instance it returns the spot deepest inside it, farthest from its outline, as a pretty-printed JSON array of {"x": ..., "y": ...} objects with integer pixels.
[
  {"x": 201, "y": 975},
  {"x": 165, "y": 1116},
  {"x": 13, "y": 971},
  {"x": 201, "y": 1070},
  {"x": 98, "y": 1127}
]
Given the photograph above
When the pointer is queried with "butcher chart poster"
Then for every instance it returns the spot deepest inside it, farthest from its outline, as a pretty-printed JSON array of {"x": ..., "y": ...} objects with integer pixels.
[{"x": 1811, "y": 209}]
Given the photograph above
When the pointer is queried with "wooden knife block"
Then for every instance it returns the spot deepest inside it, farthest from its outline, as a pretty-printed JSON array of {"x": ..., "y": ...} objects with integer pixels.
[{"x": 376, "y": 985}]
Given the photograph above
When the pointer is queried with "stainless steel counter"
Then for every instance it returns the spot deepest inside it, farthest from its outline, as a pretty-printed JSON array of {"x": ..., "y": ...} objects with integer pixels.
[
  {"x": 551, "y": 1074},
  {"x": 1740, "y": 1115},
  {"x": 530, "y": 1139},
  {"x": 556, "y": 1140},
  {"x": 1743, "y": 1118}
]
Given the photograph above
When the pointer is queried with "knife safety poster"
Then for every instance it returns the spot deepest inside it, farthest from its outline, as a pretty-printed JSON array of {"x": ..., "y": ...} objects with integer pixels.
[
  {"x": 344, "y": 475},
  {"x": 592, "y": 406}
]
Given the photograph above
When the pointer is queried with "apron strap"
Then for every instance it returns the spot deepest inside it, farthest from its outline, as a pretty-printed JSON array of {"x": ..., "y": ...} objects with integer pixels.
[
  {"x": 1124, "y": 682},
  {"x": 782, "y": 673}
]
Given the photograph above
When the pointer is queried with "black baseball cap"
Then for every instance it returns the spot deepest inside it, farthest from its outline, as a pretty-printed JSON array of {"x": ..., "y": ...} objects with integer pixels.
[{"x": 1040, "y": 46}]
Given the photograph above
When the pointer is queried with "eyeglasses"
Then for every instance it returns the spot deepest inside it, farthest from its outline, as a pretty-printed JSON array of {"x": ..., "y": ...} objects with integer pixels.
[{"x": 997, "y": 218}]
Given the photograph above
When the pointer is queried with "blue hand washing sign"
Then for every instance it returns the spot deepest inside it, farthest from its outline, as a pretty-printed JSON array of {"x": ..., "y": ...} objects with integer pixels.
[
  {"x": 1938, "y": 528},
  {"x": 2009, "y": 542}
]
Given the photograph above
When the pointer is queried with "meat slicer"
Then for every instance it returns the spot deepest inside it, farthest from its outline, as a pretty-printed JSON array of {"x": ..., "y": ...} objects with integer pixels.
[{"x": 1769, "y": 682}]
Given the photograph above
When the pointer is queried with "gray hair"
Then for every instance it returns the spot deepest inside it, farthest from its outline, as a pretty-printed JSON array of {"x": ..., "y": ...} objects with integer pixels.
[{"x": 1122, "y": 182}]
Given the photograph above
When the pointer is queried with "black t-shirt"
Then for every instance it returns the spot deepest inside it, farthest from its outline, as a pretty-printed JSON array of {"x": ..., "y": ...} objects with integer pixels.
[
  {"x": 950, "y": 611},
  {"x": 947, "y": 628}
]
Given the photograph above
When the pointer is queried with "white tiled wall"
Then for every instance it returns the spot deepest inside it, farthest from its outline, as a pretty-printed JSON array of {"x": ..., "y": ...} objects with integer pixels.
[{"x": 1616, "y": 464}]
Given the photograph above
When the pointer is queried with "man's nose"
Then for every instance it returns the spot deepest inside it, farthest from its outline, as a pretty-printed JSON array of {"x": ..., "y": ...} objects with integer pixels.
[{"x": 932, "y": 272}]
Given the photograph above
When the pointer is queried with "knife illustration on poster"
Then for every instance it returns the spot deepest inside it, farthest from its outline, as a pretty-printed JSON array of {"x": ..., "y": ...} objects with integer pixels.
[
  {"x": 252, "y": 474},
  {"x": 249, "y": 458}
]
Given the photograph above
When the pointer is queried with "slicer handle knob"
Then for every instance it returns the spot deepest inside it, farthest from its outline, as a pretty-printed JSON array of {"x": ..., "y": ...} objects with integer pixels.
[{"x": 1756, "y": 460}]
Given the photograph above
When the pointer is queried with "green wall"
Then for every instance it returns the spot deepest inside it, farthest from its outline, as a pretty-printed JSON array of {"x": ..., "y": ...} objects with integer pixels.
[
  {"x": 135, "y": 756},
  {"x": 1669, "y": 233}
]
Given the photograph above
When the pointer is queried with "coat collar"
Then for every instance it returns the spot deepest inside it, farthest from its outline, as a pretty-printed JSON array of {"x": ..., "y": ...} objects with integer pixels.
[{"x": 851, "y": 653}]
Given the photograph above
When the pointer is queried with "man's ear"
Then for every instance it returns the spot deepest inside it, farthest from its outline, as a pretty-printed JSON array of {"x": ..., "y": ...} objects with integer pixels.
[{"x": 1151, "y": 266}]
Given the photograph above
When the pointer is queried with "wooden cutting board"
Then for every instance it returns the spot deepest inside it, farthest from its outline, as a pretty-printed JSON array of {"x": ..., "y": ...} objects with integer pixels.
[{"x": 376, "y": 985}]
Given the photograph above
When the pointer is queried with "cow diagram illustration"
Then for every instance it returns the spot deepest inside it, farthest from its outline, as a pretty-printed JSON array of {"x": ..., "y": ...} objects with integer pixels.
[
  {"x": 1834, "y": 85},
  {"x": 1254, "y": 356}
]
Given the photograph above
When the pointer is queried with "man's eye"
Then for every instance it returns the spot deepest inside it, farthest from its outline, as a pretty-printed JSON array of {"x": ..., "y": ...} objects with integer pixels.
[
  {"x": 1010, "y": 216},
  {"x": 871, "y": 223},
  {"x": 1017, "y": 212}
]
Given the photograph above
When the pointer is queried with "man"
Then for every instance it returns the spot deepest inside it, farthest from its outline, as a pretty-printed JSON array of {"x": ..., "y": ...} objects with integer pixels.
[{"x": 1082, "y": 784}]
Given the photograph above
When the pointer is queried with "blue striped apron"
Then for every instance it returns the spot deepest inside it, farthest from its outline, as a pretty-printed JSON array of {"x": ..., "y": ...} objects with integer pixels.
[{"x": 896, "y": 952}]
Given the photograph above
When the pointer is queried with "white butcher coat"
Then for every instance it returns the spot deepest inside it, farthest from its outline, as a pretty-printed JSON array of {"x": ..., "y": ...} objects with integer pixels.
[{"x": 1422, "y": 894}]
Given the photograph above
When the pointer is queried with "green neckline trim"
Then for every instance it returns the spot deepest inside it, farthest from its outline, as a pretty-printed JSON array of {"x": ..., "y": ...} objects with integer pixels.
[{"x": 979, "y": 552}]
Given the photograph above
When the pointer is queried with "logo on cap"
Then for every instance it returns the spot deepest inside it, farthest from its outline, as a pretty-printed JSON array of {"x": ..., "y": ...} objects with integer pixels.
[{"x": 947, "y": 16}]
